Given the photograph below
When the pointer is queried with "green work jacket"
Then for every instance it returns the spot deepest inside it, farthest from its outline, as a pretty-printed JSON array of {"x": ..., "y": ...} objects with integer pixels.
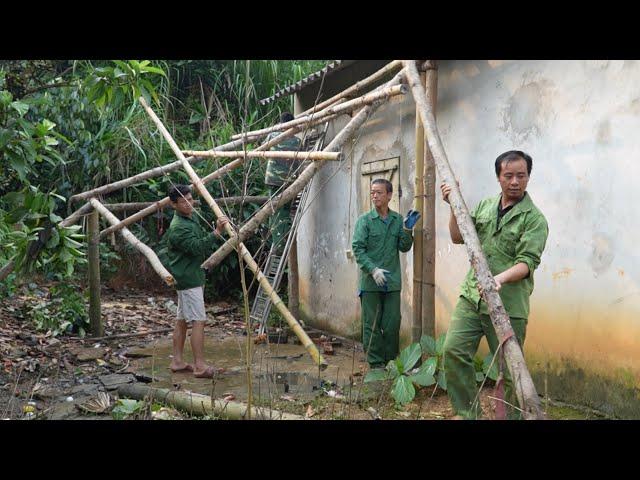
[
  {"x": 376, "y": 244},
  {"x": 519, "y": 237},
  {"x": 188, "y": 245}
]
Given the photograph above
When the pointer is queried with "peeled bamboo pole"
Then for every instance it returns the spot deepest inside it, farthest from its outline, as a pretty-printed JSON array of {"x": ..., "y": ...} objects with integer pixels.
[
  {"x": 336, "y": 109},
  {"x": 246, "y": 256},
  {"x": 93, "y": 257},
  {"x": 296, "y": 187},
  {"x": 197, "y": 404},
  {"x": 131, "y": 238},
  {"x": 522, "y": 382},
  {"x": 137, "y": 206},
  {"x": 356, "y": 87},
  {"x": 288, "y": 155}
]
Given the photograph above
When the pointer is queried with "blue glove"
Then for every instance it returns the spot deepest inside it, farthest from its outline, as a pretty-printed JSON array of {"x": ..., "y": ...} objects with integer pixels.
[{"x": 411, "y": 219}]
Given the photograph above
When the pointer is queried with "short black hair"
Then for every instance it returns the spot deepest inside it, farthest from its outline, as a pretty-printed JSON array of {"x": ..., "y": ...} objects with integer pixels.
[
  {"x": 510, "y": 156},
  {"x": 286, "y": 117},
  {"x": 386, "y": 183},
  {"x": 178, "y": 191}
]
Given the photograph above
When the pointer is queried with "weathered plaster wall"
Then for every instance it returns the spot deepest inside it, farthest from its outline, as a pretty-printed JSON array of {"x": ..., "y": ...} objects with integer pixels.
[{"x": 580, "y": 121}]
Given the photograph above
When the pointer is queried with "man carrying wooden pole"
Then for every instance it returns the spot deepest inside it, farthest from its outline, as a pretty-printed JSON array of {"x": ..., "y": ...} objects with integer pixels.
[{"x": 507, "y": 341}]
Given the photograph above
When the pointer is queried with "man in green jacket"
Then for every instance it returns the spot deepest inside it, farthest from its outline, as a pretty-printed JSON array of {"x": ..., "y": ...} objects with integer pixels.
[
  {"x": 279, "y": 175},
  {"x": 379, "y": 235},
  {"x": 188, "y": 246},
  {"x": 513, "y": 233}
]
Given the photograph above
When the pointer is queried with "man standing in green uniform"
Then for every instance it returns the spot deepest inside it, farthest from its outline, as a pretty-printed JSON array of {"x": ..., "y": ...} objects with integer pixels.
[
  {"x": 513, "y": 233},
  {"x": 280, "y": 173},
  {"x": 379, "y": 235},
  {"x": 188, "y": 246}
]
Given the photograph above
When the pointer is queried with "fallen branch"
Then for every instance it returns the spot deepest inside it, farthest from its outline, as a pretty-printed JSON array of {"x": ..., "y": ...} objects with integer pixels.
[
  {"x": 196, "y": 404},
  {"x": 126, "y": 335}
]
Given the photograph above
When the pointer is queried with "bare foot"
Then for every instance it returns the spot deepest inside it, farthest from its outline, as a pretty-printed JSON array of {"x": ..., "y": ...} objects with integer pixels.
[{"x": 181, "y": 367}]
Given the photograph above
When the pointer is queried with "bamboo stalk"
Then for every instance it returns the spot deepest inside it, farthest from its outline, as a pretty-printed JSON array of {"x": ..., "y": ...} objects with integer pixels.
[
  {"x": 429, "y": 232},
  {"x": 356, "y": 87},
  {"x": 287, "y": 155},
  {"x": 131, "y": 238},
  {"x": 246, "y": 256},
  {"x": 296, "y": 187},
  {"x": 416, "y": 328},
  {"x": 523, "y": 384},
  {"x": 136, "y": 206},
  {"x": 197, "y": 404},
  {"x": 333, "y": 110},
  {"x": 95, "y": 317}
]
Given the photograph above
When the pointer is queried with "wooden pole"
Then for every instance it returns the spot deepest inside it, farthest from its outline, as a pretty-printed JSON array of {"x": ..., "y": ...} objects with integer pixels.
[
  {"x": 429, "y": 231},
  {"x": 296, "y": 187},
  {"x": 131, "y": 238},
  {"x": 522, "y": 382},
  {"x": 333, "y": 110},
  {"x": 356, "y": 87},
  {"x": 287, "y": 155},
  {"x": 137, "y": 206},
  {"x": 246, "y": 256},
  {"x": 95, "y": 314},
  {"x": 416, "y": 328},
  {"x": 197, "y": 404},
  {"x": 293, "y": 279}
]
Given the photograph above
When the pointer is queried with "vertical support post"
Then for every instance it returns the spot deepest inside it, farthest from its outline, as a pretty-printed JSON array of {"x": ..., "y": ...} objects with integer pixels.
[
  {"x": 418, "y": 242},
  {"x": 294, "y": 292},
  {"x": 95, "y": 314},
  {"x": 429, "y": 232}
]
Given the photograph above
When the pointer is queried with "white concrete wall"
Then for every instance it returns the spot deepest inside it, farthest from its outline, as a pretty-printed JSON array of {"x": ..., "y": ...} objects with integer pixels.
[{"x": 580, "y": 121}]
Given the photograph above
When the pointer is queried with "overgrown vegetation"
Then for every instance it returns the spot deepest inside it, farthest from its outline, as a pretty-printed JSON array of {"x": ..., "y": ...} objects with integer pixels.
[{"x": 68, "y": 126}]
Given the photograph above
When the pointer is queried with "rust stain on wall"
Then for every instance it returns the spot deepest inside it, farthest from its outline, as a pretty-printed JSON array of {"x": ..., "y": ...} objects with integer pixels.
[{"x": 564, "y": 273}]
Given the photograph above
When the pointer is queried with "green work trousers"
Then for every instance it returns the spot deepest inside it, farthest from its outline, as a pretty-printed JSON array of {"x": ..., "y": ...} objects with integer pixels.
[
  {"x": 380, "y": 326},
  {"x": 280, "y": 222},
  {"x": 463, "y": 338}
]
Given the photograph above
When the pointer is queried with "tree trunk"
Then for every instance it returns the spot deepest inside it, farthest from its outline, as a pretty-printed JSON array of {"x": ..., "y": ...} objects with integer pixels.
[
  {"x": 380, "y": 93},
  {"x": 201, "y": 405},
  {"x": 246, "y": 256},
  {"x": 293, "y": 155},
  {"x": 522, "y": 383},
  {"x": 296, "y": 187},
  {"x": 131, "y": 238},
  {"x": 95, "y": 315}
]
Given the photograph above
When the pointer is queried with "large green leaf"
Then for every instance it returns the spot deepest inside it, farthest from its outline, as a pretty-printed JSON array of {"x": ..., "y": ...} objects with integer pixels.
[
  {"x": 403, "y": 390},
  {"x": 429, "y": 365},
  {"x": 424, "y": 379},
  {"x": 376, "y": 375},
  {"x": 428, "y": 345},
  {"x": 410, "y": 356},
  {"x": 392, "y": 368},
  {"x": 20, "y": 107}
]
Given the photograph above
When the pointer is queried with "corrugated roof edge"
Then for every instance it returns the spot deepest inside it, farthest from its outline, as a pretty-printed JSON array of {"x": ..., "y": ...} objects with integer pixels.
[{"x": 330, "y": 69}]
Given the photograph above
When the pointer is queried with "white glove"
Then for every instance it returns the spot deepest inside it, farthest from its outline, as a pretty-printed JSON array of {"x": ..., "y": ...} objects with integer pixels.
[{"x": 378, "y": 276}]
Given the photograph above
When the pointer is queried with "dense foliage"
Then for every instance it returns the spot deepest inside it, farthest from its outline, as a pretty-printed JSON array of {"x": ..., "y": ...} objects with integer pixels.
[{"x": 68, "y": 126}]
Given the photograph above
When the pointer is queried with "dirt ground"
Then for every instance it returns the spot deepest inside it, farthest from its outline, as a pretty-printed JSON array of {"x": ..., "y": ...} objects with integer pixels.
[{"x": 74, "y": 378}]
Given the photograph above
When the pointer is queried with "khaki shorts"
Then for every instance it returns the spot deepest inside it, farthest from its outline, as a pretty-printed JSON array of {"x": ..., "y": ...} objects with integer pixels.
[{"x": 191, "y": 305}]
